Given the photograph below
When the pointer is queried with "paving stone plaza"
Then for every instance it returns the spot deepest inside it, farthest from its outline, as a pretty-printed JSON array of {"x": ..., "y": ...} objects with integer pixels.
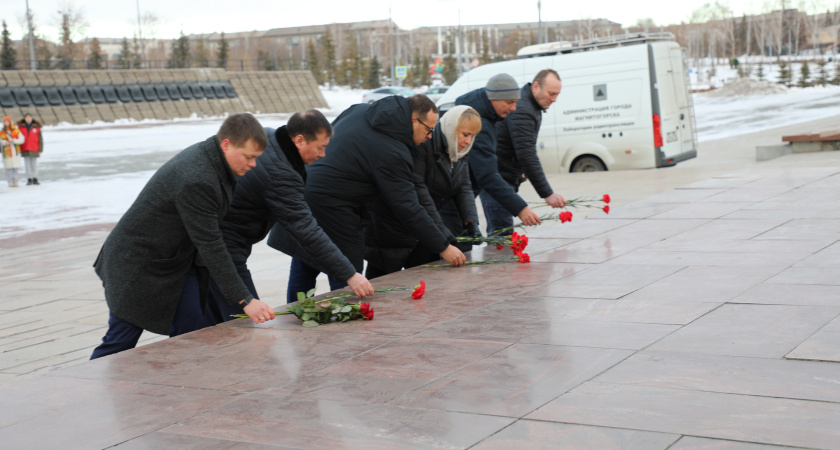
[{"x": 703, "y": 312}]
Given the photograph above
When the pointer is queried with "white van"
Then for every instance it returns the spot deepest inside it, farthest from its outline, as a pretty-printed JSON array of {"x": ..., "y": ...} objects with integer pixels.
[{"x": 625, "y": 102}]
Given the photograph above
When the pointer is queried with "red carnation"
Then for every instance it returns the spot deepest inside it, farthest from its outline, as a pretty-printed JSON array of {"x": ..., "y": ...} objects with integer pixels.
[
  {"x": 524, "y": 258},
  {"x": 565, "y": 216},
  {"x": 419, "y": 291},
  {"x": 499, "y": 247},
  {"x": 366, "y": 310},
  {"x": 606, "y": 198},
  {"x": 607, "y": 209}
]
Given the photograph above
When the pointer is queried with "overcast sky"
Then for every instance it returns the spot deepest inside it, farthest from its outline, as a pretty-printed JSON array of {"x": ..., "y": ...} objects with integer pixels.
[{"x": 118, "y": 18}]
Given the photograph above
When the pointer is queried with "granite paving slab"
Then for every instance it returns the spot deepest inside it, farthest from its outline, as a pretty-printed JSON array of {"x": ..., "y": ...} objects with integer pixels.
[
  {"x": 536, "y": 435},
  {"x": 824, "y": 345},
  {"x": 766, "y": 420},
  {"x": 766, "y": 331}
]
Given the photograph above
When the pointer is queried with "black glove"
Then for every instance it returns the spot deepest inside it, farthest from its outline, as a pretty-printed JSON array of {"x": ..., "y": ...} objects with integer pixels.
[
  {"x": 471, "y": 229},
  {"x": 448, "y": 234}
]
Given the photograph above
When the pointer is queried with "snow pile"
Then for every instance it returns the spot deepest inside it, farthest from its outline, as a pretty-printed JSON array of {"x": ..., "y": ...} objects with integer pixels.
[{"x": 745, "y": 87}]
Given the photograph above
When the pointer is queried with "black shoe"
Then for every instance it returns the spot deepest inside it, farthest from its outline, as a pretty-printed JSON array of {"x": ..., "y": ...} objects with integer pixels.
[
  {"x": 28, "y": 181},
  {"x": 35, "y": 181}
]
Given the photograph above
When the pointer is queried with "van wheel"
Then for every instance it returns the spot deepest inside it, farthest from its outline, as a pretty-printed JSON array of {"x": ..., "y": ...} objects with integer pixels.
[{"x": 588, "y": 164}]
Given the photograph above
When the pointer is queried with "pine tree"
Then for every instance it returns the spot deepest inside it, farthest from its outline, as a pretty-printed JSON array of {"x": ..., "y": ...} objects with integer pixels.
[
  {"x": 200, "y": 55},
  {"x": 372, "y": 81},
  {"x": 417, "y": 68},
  {"x": 95, "y": 58},
  {"x": 329, "y": 56},
  {"x": 760, "y": 73},
  {"x": 784, "y": 74},
  {"x": 223, "y": 52},
  {"x": 8, "y": 55},
  {"x": 264, "y": 60},
  {"x": 312, "y": 62},
  {"x": 66, "y": 44},
  {"x": 804, "y": 74},
  {"x": 823, "y": 78},
  {"x": 124, "y": 57},
  {"x": 180, "y": 53},
  {"x": 137, "y": 54}
]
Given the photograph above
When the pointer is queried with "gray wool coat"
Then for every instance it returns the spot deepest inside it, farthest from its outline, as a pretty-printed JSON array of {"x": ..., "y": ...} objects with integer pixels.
[{"x": 172, "y": 223}]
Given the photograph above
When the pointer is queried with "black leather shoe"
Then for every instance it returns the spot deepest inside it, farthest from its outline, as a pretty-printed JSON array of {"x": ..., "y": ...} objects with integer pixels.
[
  {"x": 35, "y": 181},
  {"x": 28, "y": 181}
]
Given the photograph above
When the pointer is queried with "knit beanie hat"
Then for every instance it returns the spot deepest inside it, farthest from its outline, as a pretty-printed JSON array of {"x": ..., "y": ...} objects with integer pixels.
[{"x": 502, "y": 87}]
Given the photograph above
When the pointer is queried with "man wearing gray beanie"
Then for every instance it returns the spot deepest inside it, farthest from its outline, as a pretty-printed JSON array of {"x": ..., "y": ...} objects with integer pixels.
[{"x": 493, "y": 102}]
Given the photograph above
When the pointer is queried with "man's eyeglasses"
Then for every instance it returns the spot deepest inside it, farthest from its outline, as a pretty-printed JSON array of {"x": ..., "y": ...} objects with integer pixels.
[{"x": 431, "y": 130}]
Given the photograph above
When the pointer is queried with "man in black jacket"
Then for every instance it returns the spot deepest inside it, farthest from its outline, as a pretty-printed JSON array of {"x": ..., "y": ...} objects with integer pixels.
[
  {"x": 370, "y": 156},
  {"x": 493, "y": 102},
  {"x": 517, "y": 148},
  {"x": 272, "y": 193},
  {"x": 154, "y": 262}
]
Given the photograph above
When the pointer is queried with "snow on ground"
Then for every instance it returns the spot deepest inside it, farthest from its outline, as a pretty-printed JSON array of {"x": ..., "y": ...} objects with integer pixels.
[{"x": 92, "y": 173}]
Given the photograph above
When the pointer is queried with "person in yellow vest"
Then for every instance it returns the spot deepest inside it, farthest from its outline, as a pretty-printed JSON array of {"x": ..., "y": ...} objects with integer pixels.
[{"x": 10, "y": 140}]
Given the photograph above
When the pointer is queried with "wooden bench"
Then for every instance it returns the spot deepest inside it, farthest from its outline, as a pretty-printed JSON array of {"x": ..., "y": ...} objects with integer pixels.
[{"x": 814, "y": 142}]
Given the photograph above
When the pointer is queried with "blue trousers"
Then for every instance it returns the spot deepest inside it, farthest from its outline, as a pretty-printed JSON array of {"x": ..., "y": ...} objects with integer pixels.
[
  {"x": 218, "y": 310},
  {"x": 496, "y": 215},
  {"x": 189, "y": 317},
  {"x": 302, "y": 278}
]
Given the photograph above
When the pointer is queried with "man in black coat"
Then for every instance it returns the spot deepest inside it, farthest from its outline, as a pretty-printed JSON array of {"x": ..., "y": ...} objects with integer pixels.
[
  {"x": 493, "y": 102},
  {"x": 370, "y": 156},
  {"x": 154, "y": 261},
  {"x": 272, "y": 193},
  {"x": 517, "y": 148}
]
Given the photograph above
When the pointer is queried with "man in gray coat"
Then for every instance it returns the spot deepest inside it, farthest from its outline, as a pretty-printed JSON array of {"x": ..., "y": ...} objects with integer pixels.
[{"x": 155, "y": 263}]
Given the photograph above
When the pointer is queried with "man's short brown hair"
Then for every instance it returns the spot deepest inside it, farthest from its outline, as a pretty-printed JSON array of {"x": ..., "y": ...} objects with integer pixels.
[
  {"x": 421, "y": 106},
  {"x": 240, "y": 127},
  {"x": 543, "y": 74}
]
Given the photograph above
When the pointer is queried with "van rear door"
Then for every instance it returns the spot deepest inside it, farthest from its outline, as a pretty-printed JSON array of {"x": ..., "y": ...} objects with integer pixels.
[{"x": 676, "y": 112}]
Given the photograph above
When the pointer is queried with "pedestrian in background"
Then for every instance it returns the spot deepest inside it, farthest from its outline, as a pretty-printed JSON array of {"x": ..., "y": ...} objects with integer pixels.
[
  {"x": 32, "y": 146},
  {"x": 10, "y": 139}
]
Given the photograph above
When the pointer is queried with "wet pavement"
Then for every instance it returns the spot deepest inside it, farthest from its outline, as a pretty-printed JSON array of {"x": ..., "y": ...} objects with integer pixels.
[{"x": 702, "y": 312}]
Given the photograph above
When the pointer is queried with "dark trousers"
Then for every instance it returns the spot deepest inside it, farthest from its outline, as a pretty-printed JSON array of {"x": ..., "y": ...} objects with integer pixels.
[
  {"x": 218, "y": 310},
  {"x": 189, "y": 317},
  {"x": 302, "y": 278},
  {"x": 419, "y": 256},
  {"x": 498, "y": 218}
]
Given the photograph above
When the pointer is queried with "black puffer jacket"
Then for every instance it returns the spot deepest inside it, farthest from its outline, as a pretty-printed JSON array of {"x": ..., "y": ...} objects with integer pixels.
[
  {"x": 484, "y": 171},
  {"x": 369, "y": 157},
  {"x": 272, "y": 193},
  {"x": 517, "y": 146},
  {"x": 437, "y": 181}
]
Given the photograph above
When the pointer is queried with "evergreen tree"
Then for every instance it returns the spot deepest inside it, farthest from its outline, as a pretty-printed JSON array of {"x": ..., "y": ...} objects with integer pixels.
[
  {"x": 8, "y": 55},
  {"x": 784, "y": 74},
  {"x": 760, "y": 73},
  {"x": 95, "y": 58},
  {"x": 836, "y": 80},
  {"x": 264, "y": 60},
  {"x": 200, "y": 54},
  {"x": 804, "y": 74},
  {"x": 485, "y": 49},
  {"x": 180, "y": 53},
  {"x": 66, "y": 44},
  {"x": 223, "y": 52},
  {"x": 372, "y": 81},
  {"x": 417, "y": 69},
  {"x": 329, "y": 56},
  {"x": 137, "y": 54},
  {"x": 351, "y": 69},
  {"x": 823, "y": 78},
  {"x": 124, "y": 57},
  {"x": 312, "y": 62}
]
